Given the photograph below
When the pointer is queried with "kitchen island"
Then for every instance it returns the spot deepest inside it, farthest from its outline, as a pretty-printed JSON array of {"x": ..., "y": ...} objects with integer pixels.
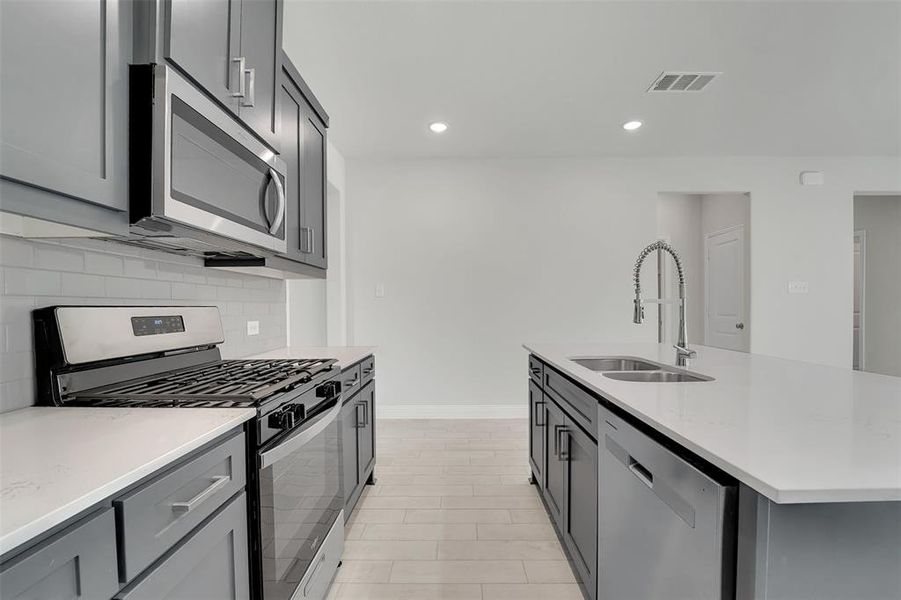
[{"x": 812, "y": 455}]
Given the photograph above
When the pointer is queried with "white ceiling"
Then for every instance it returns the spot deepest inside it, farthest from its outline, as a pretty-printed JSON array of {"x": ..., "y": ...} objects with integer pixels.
[{"x": 559, "y": 78}]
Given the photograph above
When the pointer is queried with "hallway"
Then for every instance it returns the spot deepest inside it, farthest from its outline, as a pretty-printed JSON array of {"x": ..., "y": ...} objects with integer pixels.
[{"x": 452, "y": 517}]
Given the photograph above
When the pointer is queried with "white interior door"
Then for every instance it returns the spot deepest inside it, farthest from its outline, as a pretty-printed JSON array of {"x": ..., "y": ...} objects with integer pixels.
[
  {"x": 724, "y": 280},
  {"x": 859, "y": 286}
]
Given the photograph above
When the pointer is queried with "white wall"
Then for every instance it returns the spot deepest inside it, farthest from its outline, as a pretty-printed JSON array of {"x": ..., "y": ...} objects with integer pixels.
[
  {"x": 478, "y": 256},
  {"x": 317, "y": 308},
  {"x": 679, "y": 222},
  {"x": 880, "y": 217}
]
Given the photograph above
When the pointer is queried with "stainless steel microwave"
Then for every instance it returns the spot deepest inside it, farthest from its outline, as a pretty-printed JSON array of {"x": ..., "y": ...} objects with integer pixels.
[{"x": 199, "y": 181}]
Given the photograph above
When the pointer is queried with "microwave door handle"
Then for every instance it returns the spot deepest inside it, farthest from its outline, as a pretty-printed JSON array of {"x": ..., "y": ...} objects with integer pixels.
[
  {"x": 280, "y": 193},
  {"x": 299, "y": 439}
]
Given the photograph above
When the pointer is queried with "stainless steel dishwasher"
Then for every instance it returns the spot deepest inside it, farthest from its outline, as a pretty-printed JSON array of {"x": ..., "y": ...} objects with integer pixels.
[{"x": 667, "y": 530}]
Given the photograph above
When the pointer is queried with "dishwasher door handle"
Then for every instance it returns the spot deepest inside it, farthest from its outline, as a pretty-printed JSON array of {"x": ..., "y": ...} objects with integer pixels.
[{"x": 643, "y": 475}]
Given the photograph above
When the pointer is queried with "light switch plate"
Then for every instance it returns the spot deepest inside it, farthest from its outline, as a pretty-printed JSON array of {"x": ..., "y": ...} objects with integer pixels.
[
  {"x": 380, "y": 290},
  {"x": 253, "y": 328},
  {"x": 798, "y": 287}
]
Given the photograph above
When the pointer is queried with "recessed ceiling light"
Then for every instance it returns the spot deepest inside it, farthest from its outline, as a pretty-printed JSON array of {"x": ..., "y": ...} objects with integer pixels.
[
  {"x": 438, "y": 127},
  {"x": 631, "y": 125}
]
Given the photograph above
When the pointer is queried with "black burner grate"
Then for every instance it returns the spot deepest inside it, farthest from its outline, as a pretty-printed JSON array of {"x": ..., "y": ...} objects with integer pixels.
[{"x": 223, "y": 383}]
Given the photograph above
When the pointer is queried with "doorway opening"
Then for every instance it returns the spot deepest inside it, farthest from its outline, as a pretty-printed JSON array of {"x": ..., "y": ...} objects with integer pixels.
[
  {"x": 712, "y": 233},
  {"x": 877, "y": 284}
]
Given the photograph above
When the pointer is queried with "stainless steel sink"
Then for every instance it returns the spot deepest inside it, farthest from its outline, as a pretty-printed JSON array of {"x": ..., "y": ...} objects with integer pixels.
[
  {"x": 657, "y": 376},
  {"x": 616, "y": 363}
]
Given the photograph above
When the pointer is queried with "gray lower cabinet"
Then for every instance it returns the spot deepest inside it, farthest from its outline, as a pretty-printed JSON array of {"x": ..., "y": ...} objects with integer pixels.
[
  {"x": 302, "y": 134},
  {"x": 212, "y": 563},
  {"x": 554, "y": 485},
  {"x": 564, "y": 462},
  {"x": 357, "y": 435},
  {"x": 77, "y": 563},
  {"x": 580, "y": 513},
  {"x": 536, "y": 432},
  {"x": 64, "y": 110},
  {"x": 181, "y": 534},
  {"x": 350, "y": 466}
]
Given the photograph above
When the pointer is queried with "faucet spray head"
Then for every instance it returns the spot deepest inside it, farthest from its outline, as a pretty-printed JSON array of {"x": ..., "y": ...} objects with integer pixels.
[{"x": 637, "y": 311}]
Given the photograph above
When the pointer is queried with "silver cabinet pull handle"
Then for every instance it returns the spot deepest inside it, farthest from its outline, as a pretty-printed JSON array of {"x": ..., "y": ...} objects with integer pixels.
[
  {"x": 280, "y": 192},
  {"x": 307, "y": 247},
  {"x": 564, "y": 450},
  {"x": 643, "y": 475},
  {"x": 251, "y": 75},
  {"x": 219, "y": 482},
  {"x": 538, "y": 410},
  {"x": 357, "y": 408},
  {"x": 242, "y": 89}
]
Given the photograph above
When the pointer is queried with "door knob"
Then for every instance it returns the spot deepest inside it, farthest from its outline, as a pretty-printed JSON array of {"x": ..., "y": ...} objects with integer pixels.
[{"x": 739, "y": 325}]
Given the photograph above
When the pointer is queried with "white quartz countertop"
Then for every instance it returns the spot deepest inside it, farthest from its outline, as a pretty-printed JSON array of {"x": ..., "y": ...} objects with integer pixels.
[
  {"x": 796, "y": 432},
  {"x": 57, "y": 462},
  {"x": 345, "y": 355}
]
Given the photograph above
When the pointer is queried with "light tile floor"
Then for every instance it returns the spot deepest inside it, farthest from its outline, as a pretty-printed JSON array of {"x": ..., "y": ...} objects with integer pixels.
[{"x": 452, "y": 516}]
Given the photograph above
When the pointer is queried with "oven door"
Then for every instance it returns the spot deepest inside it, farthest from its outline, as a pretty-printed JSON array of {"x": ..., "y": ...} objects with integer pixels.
[
  {"x": 208, "y": 172},
  {"x": 300, "y": 499}
]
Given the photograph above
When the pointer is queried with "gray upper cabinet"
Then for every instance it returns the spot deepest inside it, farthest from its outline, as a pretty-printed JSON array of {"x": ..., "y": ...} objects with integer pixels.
[
  {"x": 78, "y": 563},
  {"x": 303, "y": 141},
  {"x": 202, "y": 43},
  {"x": 261, "y": 43},
  {"x": 230, "y": 48},
  {"x": 64, "y": 107}
]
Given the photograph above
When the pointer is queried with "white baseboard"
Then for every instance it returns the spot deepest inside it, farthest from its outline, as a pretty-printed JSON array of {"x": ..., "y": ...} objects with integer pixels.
[{"x": 452, "y": 411}]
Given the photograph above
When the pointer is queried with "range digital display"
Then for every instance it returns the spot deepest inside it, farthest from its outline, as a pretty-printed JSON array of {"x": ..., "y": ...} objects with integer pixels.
[{"x": 157, "y": 325}]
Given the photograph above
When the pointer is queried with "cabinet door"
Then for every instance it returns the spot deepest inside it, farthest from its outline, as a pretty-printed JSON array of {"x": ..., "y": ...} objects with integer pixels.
[
  {"x": 261, "y": 42},
  {"x": 64, "y": 99},
  {"x": 349, "y": 419},
  {"x": 312, "y": 182},
  {"x": 580, "y": 520},
  {"x": 202, "y": 39},
  {"x": 80, "y": 562},
  {"x": 536, "y": 430},
  {"x": 554, "y": 484},
  {"x": 212, "y": 563},
  {"x": 366, "y": 431}
]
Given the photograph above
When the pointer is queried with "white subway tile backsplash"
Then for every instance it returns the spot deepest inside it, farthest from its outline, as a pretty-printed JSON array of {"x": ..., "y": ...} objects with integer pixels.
[
  {"x": 31, "y": 282},
  {"x": 103, "y": 264},
  {"x": 82, "y": 284},
  {"x": 58, "y": 258},
  {"x": 44, "y": 273}
]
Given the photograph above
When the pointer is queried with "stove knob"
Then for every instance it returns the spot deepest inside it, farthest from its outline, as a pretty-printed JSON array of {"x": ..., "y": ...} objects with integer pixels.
[
  {"x": 283, "y": 419},
  {"x": 329, "y": 389},
  {"x": 299, "y": 412}
]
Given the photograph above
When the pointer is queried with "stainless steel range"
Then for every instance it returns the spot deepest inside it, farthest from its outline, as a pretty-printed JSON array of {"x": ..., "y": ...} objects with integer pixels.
[{"x": 169, "y": 357}]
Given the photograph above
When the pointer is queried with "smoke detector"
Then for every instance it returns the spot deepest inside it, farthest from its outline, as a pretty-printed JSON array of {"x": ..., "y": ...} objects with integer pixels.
[{"x": 682, "y": 81}]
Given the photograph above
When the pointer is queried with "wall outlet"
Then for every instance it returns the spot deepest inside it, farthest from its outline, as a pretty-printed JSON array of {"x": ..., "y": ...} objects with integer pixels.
[
  {"x": 380, "y": 290},
  {"x": 253, "y": 328},
  {"x": 798, "y": 287}
]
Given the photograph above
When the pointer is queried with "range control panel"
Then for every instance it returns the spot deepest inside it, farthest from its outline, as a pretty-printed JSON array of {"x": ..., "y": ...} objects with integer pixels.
[{"x": 157, "y": 325}]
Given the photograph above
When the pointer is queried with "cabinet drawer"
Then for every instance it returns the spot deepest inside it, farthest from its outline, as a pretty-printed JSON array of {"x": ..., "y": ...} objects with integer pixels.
[
  {"x": 536, "y": 369},
  {"x": 367, "y": 369},
  {"x": 157, "y": 515},
  {"x": 79, "y": 562},
  {"x": 578, "y": 404},
  {"x": 350, "y": 381},
  {"x": 212, "y": 563}
]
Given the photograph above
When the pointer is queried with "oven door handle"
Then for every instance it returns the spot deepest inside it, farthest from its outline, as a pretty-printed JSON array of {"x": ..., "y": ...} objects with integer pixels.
[{"x": 300, "y": 438}]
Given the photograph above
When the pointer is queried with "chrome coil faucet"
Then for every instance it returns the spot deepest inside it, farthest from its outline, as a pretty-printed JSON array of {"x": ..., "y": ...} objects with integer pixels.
[{"x": 683, "y": 353}]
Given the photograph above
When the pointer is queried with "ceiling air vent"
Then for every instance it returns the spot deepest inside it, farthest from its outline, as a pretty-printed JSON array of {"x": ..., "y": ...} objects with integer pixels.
[{"x": 672, "y": 81}]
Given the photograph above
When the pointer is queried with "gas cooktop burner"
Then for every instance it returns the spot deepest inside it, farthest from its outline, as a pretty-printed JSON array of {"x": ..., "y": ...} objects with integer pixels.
[{"x": 226, "y": 383}]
